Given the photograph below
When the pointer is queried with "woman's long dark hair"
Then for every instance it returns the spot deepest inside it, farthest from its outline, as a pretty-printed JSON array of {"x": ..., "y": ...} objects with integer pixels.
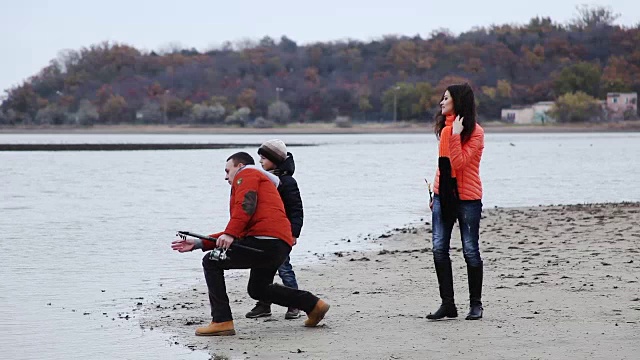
[{"x": 464, "y": 105}]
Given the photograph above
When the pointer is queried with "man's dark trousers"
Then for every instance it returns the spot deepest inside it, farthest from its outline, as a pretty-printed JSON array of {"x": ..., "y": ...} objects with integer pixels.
[{"x": 263, "y": 268}]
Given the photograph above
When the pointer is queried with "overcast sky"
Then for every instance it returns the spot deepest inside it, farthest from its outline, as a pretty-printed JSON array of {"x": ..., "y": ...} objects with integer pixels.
[{"x": 32, "y": 32}]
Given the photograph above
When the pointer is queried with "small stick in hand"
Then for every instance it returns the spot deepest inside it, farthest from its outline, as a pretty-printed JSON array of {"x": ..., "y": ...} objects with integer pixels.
[{"x": 429, "y": 188}]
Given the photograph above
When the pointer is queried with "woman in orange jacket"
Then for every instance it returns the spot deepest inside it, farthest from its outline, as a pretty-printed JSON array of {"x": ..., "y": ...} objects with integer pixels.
[{"x": 458, "y": 196}]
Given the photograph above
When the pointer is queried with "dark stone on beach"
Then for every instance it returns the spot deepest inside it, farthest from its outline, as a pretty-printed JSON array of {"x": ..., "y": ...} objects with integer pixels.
[{"x": 364, "y": 258}]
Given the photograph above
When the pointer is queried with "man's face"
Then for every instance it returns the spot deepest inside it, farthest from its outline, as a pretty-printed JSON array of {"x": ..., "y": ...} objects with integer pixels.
[
  {"x": 266, "y": 163},
  {"x": 231, "y": 170}
]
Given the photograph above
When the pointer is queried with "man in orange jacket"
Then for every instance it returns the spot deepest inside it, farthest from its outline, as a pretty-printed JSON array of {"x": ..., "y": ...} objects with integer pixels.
[{"x": 258, "y": 220}]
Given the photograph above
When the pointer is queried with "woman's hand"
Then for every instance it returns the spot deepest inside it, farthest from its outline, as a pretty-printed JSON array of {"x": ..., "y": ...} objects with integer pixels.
[{"x": 457, "y": 125}]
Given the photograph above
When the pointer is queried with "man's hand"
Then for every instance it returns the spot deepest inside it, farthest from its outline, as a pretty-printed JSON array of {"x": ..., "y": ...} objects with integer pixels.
[
  {"x": 295, "y": 240},
  {"x": 224, "y": 241},
  {"x": 183, "y": 245},
  {"x": 457, "y": 125}
]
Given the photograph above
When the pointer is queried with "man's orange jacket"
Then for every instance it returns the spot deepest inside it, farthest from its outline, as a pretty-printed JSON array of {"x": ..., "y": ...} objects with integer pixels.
[{"x": 256, "y": 209}]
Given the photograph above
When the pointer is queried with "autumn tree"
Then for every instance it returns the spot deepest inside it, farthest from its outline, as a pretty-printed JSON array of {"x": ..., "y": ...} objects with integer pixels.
[
  {"x": 207, "y": 114},
  {"x": 403, "y": 54},
  {"x": 491, "y": 100},
  {"x": 87, "y": 114},
  {"x": 593, "y": 17},
  {"x": 279, "y": 112},
  {"x": 411, "y": 100},
  {"x": 239, "y": 118},
  {"x": 4, "y": 120},
  {"x": 23, "y": 100},
  {"x": 222, "y": 101},
  {"x": 177, "y": 108},
  {"x": 151, "y": 112},
  {"x": 247, "y": 98},
  {"x": 619, "y": 75},
  {"x": 426, "y": 94},
  {"x": 364, "y": 105},
  {"x": 583, "y": 76},
  {"x": 114, "y": 110},
  {"x": 575, "y": 107},
  {"x": 51, "y": 115},
  {"x": 287, "y": 45}
]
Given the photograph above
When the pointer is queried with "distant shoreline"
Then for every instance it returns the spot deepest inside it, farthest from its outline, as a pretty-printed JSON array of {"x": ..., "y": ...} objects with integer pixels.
[
  {"x": 321, "y": 128},
  {"x": 127, "y": 146}
]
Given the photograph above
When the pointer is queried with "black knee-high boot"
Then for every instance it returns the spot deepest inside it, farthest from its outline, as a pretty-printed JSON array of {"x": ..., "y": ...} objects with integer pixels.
[
  {"x": 474, "y": 274},
  {"x": 445, "y": 282}
]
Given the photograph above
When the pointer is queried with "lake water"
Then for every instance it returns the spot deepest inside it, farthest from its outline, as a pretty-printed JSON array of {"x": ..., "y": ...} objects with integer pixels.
[{"x": 85, "y": 235}]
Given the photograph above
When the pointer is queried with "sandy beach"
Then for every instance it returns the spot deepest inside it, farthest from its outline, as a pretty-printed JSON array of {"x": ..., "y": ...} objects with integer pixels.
[{"x": 561, "y": 282}]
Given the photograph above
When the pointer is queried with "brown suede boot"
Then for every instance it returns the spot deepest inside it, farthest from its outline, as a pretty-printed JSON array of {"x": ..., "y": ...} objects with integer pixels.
[
  {"x": 317, "y": 314},
  {"x": 217, "y": 329}
]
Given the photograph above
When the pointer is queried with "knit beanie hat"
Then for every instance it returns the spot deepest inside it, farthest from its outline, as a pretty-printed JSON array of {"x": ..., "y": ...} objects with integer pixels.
[{"x": 274, "y": 150}]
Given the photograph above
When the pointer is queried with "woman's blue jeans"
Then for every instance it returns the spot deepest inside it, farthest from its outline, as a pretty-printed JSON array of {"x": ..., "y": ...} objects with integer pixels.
[{"x": 468, "y": 215}]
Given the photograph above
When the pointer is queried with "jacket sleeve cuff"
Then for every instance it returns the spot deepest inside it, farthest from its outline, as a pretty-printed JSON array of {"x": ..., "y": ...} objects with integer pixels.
[
  {"x": 296, "y": 232},
  {"x": 231, "y": 231},
  {"x": 208, "y": 245}
]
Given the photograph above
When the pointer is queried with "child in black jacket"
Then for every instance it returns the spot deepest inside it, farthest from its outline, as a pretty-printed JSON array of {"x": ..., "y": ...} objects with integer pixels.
[{"x": 275, "y": 158}]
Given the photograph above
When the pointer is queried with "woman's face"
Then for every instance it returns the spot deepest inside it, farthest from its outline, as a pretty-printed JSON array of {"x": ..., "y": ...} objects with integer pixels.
[{"x": 446, "y": 105}]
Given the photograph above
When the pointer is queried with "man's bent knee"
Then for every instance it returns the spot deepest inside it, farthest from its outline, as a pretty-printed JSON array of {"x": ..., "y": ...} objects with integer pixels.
[
  {"x": 257, "y": 292},
  {"x": 209, "y": 264}
]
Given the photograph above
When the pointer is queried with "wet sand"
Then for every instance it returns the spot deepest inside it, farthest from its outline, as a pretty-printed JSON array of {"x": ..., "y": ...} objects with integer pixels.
[{"x": 561, "y": 282}]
